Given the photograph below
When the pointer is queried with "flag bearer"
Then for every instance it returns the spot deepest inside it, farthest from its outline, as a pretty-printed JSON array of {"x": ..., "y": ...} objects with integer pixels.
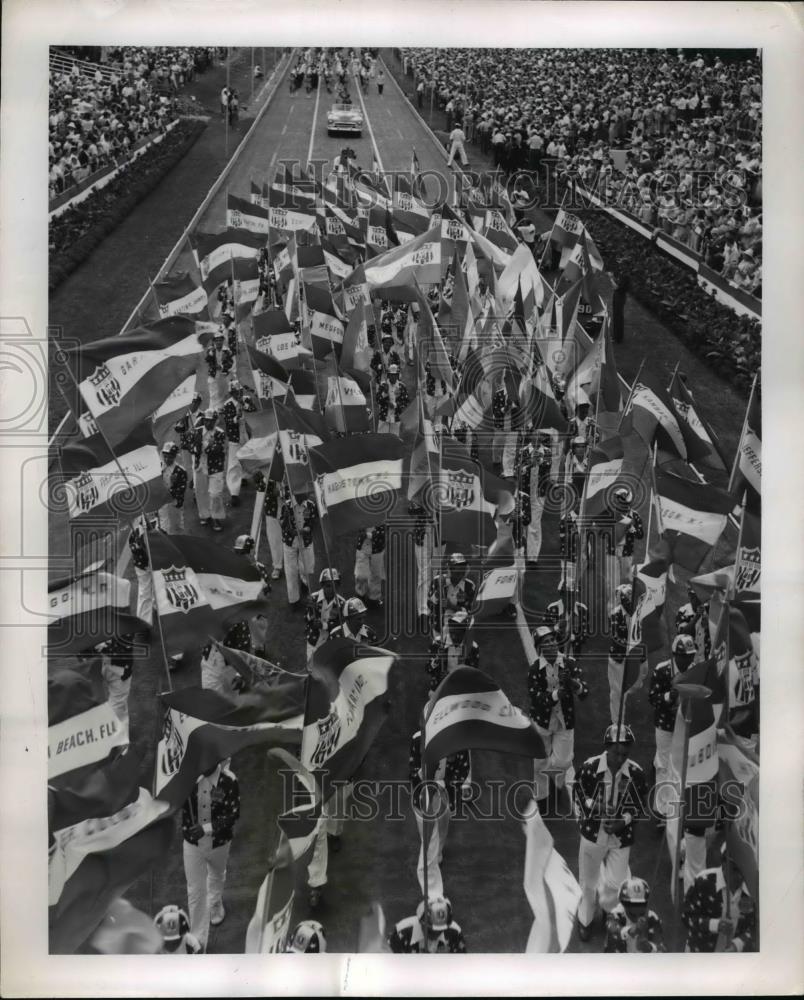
[
  {"x": 235, "y": 406},
  {"x": 297, "y": 518},
  {"x": 208, "y": 470},
  {"x": 171, "y": 515}
]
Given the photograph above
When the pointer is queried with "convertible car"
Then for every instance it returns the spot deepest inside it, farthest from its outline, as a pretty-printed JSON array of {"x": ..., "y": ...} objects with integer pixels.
[{"x": 344, "y": 118}]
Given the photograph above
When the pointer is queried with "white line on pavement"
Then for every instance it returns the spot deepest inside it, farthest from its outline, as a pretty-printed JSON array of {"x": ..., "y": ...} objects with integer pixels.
[
  {"x": 284, "y": 128},
  {"x": 371, "y": 130},
  {"x": 315, "y": 118}
]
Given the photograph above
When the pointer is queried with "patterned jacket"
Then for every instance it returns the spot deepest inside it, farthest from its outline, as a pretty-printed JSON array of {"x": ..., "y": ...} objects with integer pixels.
[
  {"x": 342, "y": 631},
  {"x": 568, "y": 538},
  {"x": 321, "y": 615},
  {"x": 541, "y": 690},
  {"x": 287, "y": 522},
  {"x": 579, "y": 623},
  {"x": 452, "y": 771},
  {"x": 696, "y": 624},
  {"x": 233, "y": 410},
  {"x": 444, "y": 594},
  {"x": 664, "y": 708},
  {"x": 211, "y": 444},
  {"x": 271, "y": 508},
  {"x": 590, "y": 795},
  {"x": 177, "y": 485},
  {"x": 624, "y": 936},
  {"x": 377, "y": 539},
  {"x": 521, "y": 518},
  {"x": 225, "y": 809},
  {"x": 619, "y": 621},
  {"x": 703, "y": 909},
  {"x": 422, "y": 522},
  {"x": 139, "y": 549},
  {"x": 218, "y": 362},
  {"x": 540, "y": 457},
  {"x": 633, "y": 532},
  {"x": 407, "y": 938},
  {"x": 401, "y": 400},
  {"x": 445, "y": 656},
  {"x": 380, "y": 362}
]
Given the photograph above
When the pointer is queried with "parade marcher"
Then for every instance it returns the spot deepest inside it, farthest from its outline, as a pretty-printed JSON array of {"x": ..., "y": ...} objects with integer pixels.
[
  {"x": 423, "y": 542},
  {"x": 353, "y": 625},
  {"x": 445, "y": 788},
  {"x": 171, "y": 514},
  {"x": 578, "y": 466},
  {"x": 273, "y": 530},
  {"x": 719, "y": 912},
  {"x": 451, "y": 649},
  {"x": 382, "y": 360},
  {"x": 392, "y": 398},
  {"x": 307, "y": 938},
  {"x": 142, "y": 569},
  {"x": 235, "y": 406},
  {"x": 327, "y": 838},
  {"x": 631, "y": 927},
  {"x": 174, "y": 926},
  {"x": 453, "y": 591},
  {"x": 554, "y": 681},
  {"x": 626, "y": 528},
  {"x": 537, "y": 460},
  {"x": 692, "y": 619},
  {"x": 570, "y": 619},
  {"x": 504, "y": 444},
  {"x": 297, "y": 517},
  {"x": 184, "y": 430},
  {"x": 370, "y": 564},
  {"x": 520, "y": 522},
  {"x": 208, "y": 469},
  {"x": 619, "y": 624},
  {"x": 610, "y": 793},
  {"x": 208, "y": 819},
  {"x": 664, "y": 698},
  {"x": 457, "y": 138},
  {"x": 216, "y": 674},
  {"x": 431, "y": 930},
  {"x": 582, "y": 424},
  {"x": 324, "y": 610},
  {"x": 117, "y": 661},
  {"x": 568, "y": 536},
  {"x": 220, "y": 362}
]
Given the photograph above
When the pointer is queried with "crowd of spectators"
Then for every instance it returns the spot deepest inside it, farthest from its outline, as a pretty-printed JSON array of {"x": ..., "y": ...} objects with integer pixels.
[
  {"x": 674, "y": 138},
  {"x": 98, "y": 113}
]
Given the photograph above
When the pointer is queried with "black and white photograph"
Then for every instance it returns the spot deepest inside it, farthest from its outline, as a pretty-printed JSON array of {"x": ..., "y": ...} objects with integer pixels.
[{"x": 382, "y": 439}]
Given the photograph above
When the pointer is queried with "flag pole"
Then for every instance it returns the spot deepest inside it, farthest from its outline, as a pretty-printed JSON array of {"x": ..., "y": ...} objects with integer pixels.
[
  {"x": 678, "y": 897},
  {"x": 630, "y": 394},
  {"x": 142, "y": 516},
  {"x": 736, "y": 463},
  {"x": 673, "y": 376},
  {"x": 547, "y": 244}
]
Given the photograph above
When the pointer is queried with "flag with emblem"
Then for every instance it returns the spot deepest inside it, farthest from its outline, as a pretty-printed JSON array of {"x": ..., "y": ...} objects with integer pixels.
[
  {"x": 299, "y": 430},
  {"x": 567, "y": 229},
  {"x": 692, "y": 517},
  {"x": 290, "y": 211},
  {"x": 261, "y": 451},
  {"x": 356, "y": 291},
  {"x": 322, "y": 329},
  {"x": 346, "y": 410},
  {"x": 469, "y": 711},
  {"x": 176, "y": 406},
  {"x": 710, "y": 453},
  {"x": 346, "y": 707},
  {"x": 99, "y": 484},
  {"x": 357, "y": 480},
  {"x": 552, "y": 890},
  {"x": 653, "y": 416},
  {"x": 87, "y": 609},
  {"x": 410, "y": 215},
  {"x": 391, "y": 274},
  {"x": 122, "y": 380},
  {"x": 275, "y": 336},
  {"x": 179, "y": 294},
  {"x": 497, "y": 231},
  {"x": 270, "y": 377},
  {"x": 199, "y": 587},
  {"x": 201, "y": 727},
  {"x": 496, "y": 592},
  {"x": 214, "y": 253},
  {"x": 268, "y": 930},
  {"x": 242, "y": 214},
  {"x": 468, "y": 496}
]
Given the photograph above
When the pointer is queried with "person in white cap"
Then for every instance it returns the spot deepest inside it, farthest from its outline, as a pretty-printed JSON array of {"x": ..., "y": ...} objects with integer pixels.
[
  {"x": 324, "y": 610},
  {"x": 452, "y": 648},
  {"x": 234, "y": 408},
  {"x": 209, "y": 454},
  {"x": 631, "y": 927},
  {"x": 354, "y": 624},
  {"x": 392, "y": 398},
  {"x": 273, "y": 529},
  {"x": 610, "y": 794},
  {"x": 450, "y": 592},
  {"x": 537, "y": 460},
  {"x": 626, "y": 526},
  {"x": 308, "y": 938},
  {"x": 220, "y": 362},
  {"x": 619, "y": 626},
  {"x": 719, "y": 912},
  {"x": 174, "y": 926},
  {"x": 430, "y": 930},
  {"x": 457, "y": 138},
  {"x": 370, "y": 564},
  {"x": 297, "y": 518},
  {"x": 171, "y": 514}
]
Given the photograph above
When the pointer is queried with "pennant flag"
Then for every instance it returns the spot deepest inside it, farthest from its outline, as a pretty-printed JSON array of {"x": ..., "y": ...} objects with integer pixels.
[
  {"x": 709, "y": 453},
  {"x": 256, "y": 671},
  {"x": 215, "y": 252},
  {"x": 356, "y": 351},
  {"x": 742, "y": 676},
  {"x": 120, "y": 485},
  {"x": 178, "y": 294},
  {"x": 301, "y": 823},
  {"x": 469, "y": 711},
  {"x": 201, "y": 728},
  {"x": 260, "y": 451},
  {"x": 321, "y": 328},
  {"x": 551, "y": 888},
  {"x": 200, "y": 587},
  {"x": 693, "y": 516},
  {"x": 748, "y": 563},
  {"x": 303, "y": 389},
  {"x": 356, "y": 291},
  {"x": 177, "y": 404},
  {"x": 245, "y": 285},
  {"x": 597, "y": 374},
  {"x": 346, "y": 707},
  {"x": 270, "y": 377},
  {"x": 275, "y": 336},
  {"x": 468, "y": 497},
  {"x": 268, "y": 929},
  {"x": 653, "y": 416},
  {"x": 497, "y": 591},
  {"x": 259, "y": 194},
  {"x": 430, "y": 346},
  {"x": 346, "y": 409},
  {"x": 738, "y": 769},
  {"x": 645, "y": 634},
  {"x": 242, "y": 214},
  {"x": 290, "y": 213},
  {"x": 357, "y": 481},
  {"x": 124, "y": 379},
  {"x": 579, "y": 267},
  {"x": 520, "y": 275},
  {"x": 498, "y": 232},
  {"x": 746, "y": 474},
  {"x": 88, "y": 609},
  {"x": 299, "y": 430},
  {"x": 392, "y": 274},
  {"x": 605, "y": 476},
  {"x": 417, "y": 433},
  {"x": 537, "y": 402},
  {"x": 567, "y": 229}
]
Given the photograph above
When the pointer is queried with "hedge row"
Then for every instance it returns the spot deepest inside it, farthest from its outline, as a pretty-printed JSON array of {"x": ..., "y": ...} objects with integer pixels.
[
  {"x": 73, "y": 235},
  {"x": 728, "y": 343}
]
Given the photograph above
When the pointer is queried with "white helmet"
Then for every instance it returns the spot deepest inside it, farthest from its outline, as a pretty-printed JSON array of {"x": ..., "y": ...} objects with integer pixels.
[
  {"x": 172, "y": 922},
  {"x": 308, "y": 938},
  {"x": 439, "y": 912}
]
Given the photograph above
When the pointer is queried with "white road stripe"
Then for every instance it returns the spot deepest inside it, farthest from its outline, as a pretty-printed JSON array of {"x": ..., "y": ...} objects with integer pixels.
[
  {"x": 371, "y": 134},
  {"x": 284, "y": 128},
  {"x": 315, "y": 119}
]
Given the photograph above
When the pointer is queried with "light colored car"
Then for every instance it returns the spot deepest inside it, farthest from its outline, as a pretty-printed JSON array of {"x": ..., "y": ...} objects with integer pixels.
[{"x": 344, "y": 118}]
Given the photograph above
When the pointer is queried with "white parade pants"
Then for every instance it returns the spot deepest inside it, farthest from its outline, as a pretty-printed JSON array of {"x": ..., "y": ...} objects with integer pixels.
[
  {"x": 145, "y": 594},
  {"x": 117, "y": 690},
  {"x": 438, "y": 838},
  {"x": 560, "y": 749},
  {"x": 234, "y": 470},
  {"x": 534, "y": 538},
  {"x": 457, "y": 147},
  {"x": 299, "y": 565},
  {"x": 274, "y": 535},
  {"x": 171, "y": 519},
  {"x": 661, "y": 761},
  {"x": 424, "y": 568},
  {"x": 205, "y": 871},
  {"x": 331, "y": 826},
  {"x": 369, "y": 574},
  {"x": 602, "y": 868}
]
